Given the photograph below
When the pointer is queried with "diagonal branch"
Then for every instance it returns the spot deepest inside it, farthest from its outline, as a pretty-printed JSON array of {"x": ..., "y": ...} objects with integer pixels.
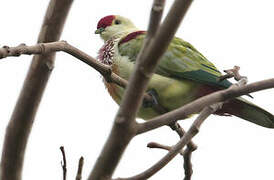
[
  {"x": 63, "y": 46},
  {"x": 187, "y": 153},
  {"x": 22, "y": 118},
  {"x": 197, "y": 105},
  {"x": 180, "y": 131},
  {"x": 186, "y": 138},
  {"x": 193, "y": 130},
  {"x": 155, "y": 17},
  {"x": 44, "y": 48}
]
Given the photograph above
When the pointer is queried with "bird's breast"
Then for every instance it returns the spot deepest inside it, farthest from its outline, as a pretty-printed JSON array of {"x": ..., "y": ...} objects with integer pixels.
[
  {"x": 114, "y": 90},
  {"x": 106, "y": 52}
]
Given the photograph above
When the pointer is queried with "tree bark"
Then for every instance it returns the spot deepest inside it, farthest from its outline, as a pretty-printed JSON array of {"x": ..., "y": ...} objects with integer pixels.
[{"x": 22, "y": 118}]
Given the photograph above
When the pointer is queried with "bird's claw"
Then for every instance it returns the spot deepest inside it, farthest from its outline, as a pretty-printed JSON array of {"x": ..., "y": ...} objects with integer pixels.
[{"x": 153, "y": 101}]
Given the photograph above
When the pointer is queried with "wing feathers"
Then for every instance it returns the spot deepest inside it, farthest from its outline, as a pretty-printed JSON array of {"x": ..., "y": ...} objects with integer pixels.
[{"x": 181, "y": 60}]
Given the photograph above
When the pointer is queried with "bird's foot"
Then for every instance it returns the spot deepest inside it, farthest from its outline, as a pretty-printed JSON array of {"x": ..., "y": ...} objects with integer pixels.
[{"x": 153, "y": 101}]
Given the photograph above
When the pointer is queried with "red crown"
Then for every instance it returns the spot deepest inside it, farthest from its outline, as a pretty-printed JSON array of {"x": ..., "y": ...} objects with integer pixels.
[{"x": 105, "y": 21}]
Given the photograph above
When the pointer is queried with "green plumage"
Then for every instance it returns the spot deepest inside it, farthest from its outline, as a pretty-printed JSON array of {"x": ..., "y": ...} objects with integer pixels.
[
  {"x": 181, "y": 60},
  {"x": 183, "y": 74}
]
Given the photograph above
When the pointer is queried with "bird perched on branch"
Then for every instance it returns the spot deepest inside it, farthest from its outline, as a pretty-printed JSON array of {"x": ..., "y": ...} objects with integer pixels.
[{"x": 182, "y": 75}]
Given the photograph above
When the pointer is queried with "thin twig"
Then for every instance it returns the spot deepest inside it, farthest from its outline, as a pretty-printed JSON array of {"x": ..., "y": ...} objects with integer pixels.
[
  {"x": 64, "y": 164},
  {"x": 180, "y": 131},
  {"x": 233, "y": 73},
  {"x": 23, "y": 115},
  {"x": 80, "y": 168},
  {"x": 187, "y": 153},
  {"x": 161, "y": 146}
]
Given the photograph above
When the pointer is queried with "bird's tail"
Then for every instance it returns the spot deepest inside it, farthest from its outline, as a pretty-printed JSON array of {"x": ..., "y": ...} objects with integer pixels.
[{"x": 249, "y": 111}]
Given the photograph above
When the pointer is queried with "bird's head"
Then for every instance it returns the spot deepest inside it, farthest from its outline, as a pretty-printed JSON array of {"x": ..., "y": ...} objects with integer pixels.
[{"x": 114, "y": 25}]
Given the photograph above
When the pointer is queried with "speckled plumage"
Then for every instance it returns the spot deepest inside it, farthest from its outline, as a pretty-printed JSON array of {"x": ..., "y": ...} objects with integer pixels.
[
  {"x": 182, "y": 75},
  {"x": 106, "y": 52}
]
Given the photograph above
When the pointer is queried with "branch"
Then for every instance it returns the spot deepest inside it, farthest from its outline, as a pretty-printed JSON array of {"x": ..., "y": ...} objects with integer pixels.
[
  {"x": 187, "y": 153},
  {"x": 194, "y": 129},
  {"x": 232, "y": 73},
  {"x": 22, "y": 118},
  {"x": 125, "y": 124},
  {"x": 161, "y": 146},
  {"x": 197, "y": 105},
  {"x": 64, "y": 164},
  {"x": 80, "y": 168},
  {"x": 155, "y": 17},
  {"x": 63, "y": 46},
  {"x": 187, "y": 163},
  {"x": 180, "y": 131},
  {"x": 44, "y": 48}
]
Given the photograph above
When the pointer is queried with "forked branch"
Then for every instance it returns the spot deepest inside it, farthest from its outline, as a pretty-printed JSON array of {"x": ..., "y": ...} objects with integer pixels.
[{"x": 186, "y": 138}]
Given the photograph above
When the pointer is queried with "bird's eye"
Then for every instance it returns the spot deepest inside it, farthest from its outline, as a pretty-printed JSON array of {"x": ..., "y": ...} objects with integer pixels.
[{"x": 117, "y": 21}]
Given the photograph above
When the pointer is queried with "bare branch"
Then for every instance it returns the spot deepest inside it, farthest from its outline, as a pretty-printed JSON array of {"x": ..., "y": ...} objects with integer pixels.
[
  {"x": 234, "y": 73},
  {"x": 187, "y": 153},
  {"x": 160, "y": 146},
  {"x": 155, "y": 17},
  {"x": 194, "y": 129},
  {"x": 186, "y": 138},
  {"x": 20, "y": 124},
  {"x": 64, "y": 164},
  {"x": 187, "y": 163},
  {"x": 180, "y": 131},
  {"x": 80, "y": 168},
  {"x": 44, "y": 48},
  {"x": 197, "y": 105}
]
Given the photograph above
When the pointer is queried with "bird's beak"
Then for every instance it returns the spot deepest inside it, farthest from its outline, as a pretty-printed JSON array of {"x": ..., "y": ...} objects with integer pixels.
[{"x": 100, "y": 30}]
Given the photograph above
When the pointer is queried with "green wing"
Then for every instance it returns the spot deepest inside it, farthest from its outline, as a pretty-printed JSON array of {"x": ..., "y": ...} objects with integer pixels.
[{"x": 181, "y": 60}]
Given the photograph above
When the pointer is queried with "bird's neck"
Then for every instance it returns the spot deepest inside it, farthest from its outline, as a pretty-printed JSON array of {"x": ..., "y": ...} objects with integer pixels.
[{"x": 120, "y": 34}]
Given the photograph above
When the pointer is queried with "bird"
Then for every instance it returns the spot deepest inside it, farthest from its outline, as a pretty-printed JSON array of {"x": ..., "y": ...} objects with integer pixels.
[{"x": 182, "y": 75}]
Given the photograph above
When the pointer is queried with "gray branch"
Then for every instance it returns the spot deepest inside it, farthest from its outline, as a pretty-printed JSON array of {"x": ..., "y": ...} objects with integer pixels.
[{"x": 22, "y": 118}]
